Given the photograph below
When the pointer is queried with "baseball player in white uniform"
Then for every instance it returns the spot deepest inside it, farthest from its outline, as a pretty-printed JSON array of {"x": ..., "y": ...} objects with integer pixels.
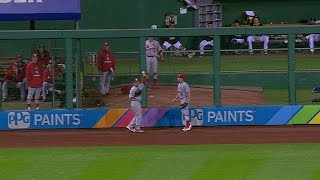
[
  {"x": 312, "y": 37},
  {"x": 172, "y": 41},
  {"x": 184, "y": 96},
  {"x": 207, "y": 41},
  {"x": 153, "y": 48},
  {"x": 262, "y": 38},
  {"x": 237, "y": 39},
  {"x": 135, "y": 98}
]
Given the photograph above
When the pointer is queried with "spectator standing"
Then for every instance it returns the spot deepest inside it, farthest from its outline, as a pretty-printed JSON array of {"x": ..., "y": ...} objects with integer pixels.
[
  {"x": 34, "y": 77},
  {"x": 106, "y": 66}
]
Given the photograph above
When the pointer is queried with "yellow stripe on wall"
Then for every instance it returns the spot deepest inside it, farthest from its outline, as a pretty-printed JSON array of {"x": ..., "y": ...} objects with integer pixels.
[
  {"x": 316, "y": 119},
  {"x": 110, "y": 118}
]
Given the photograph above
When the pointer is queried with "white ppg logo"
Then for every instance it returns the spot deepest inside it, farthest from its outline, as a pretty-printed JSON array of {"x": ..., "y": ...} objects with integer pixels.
[
  {"x": 20, "y": 1},
  {"x": 18, "y": 120},
  {"x": 196, "y": 116}
]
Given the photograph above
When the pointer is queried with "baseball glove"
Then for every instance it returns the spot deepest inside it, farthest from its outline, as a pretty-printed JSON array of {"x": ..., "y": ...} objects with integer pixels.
[
  {"x": 138, "y": 93},
  {"x": 183, "y": 105}
]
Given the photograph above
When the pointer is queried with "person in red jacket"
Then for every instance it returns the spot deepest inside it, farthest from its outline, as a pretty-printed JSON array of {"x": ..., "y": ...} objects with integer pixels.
[
  {"x": 19, "y": 63},
  {"x": 106, "y": 66},
  {"x": 15, "y": 76},
  {"x": 44, "y": 56},
  {"x": 34, "y": 77},
  {"x": 47, "y": 81}
]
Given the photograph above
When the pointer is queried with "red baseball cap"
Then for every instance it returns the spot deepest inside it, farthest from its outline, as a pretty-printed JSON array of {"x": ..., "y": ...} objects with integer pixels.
[
  {"x": 35, "y": 55},
  {"x": 136, "y": 80},
  {"x": 181, "y": 75}
]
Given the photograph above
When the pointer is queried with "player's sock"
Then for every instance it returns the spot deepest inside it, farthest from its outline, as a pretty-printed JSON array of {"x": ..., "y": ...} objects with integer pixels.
[
  {"x": 187, "y": 124},
  {"x": 29, "y": 103},
  {"x": 155, "y": 81}
]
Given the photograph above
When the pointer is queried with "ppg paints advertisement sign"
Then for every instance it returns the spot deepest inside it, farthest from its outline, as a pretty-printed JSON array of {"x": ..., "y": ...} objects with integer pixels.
[
  {"x": 209, "y": 117},
  {"x": 51, "y": 119},
  {"x": 160, "y": 117},
  {"x": 14, "y": 10}
]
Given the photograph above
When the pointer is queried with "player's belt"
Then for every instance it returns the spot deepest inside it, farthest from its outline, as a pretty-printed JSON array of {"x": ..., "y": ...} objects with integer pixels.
[{"x": 150, "y": 56}]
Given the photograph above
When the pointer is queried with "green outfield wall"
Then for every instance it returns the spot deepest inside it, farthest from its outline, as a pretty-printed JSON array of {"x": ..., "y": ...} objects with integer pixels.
[{"x": 127, "y": 14}]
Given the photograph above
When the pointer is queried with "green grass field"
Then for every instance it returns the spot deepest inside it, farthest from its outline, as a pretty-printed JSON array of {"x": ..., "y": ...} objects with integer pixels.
[
  {"x": 259, "y": 62},
  {"x": 273, "y": 161}
]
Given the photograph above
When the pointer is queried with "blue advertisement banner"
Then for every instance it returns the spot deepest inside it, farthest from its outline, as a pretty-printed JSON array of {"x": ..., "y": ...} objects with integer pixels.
[
  {"x": 50, "y": 119},
  {"x": 160, "y": 117},
  {"x": 224, "y": 116},
  {"x": 13, "y": 10}
]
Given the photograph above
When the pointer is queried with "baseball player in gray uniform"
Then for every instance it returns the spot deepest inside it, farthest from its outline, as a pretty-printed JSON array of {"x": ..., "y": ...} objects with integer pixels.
[
  {"x": 184, "y": 95},
  {"x": 153, "y": 48},
  {"x": 135, "y": 98}
]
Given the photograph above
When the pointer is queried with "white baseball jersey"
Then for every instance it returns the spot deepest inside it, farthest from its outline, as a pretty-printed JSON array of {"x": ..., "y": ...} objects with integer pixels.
[
  {"x": 152, "y": 48},
  {"x": 135, "y": 93},
  {"x": 183, "y": 89}
]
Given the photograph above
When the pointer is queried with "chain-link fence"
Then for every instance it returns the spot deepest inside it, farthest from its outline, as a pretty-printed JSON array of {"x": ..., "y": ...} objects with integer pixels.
[{"x": 243, "y": 74}]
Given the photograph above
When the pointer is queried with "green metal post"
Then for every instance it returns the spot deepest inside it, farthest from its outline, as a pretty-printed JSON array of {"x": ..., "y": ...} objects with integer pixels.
[
  {"x": 69, "y": 80},
  {"x": 216, "y": 70},
  {"x": 78, "y": 69},
  {"x": 78, "y": 73},
  {"x": 291, "y": 69},
  {"x": 142, "y": 51}
]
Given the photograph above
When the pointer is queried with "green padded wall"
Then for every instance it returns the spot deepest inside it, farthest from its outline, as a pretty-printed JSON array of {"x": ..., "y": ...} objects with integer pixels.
[{"x": 105, "y": 14}]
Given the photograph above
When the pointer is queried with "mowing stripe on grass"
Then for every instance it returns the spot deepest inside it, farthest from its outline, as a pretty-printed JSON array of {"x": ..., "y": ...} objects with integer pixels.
[
  {"x": 255, "y": 161},
  {"x": 305, "y": 114},
  {"x": 293, "y": 164},
  {"x": 228, "y": 166},
  {"x": 175, "y": 165}
]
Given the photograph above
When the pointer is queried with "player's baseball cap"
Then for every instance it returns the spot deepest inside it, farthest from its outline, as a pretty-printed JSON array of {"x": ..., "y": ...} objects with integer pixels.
[
  {"x": 41, "y": 46},
  {"x": 181, "y": 75},
  {"x": 209, "y": 21},
  {"x": 106, "y": 43},
  {"x": 35, "y": 55},
  {"x": 136, "y": 80},
  {"x": 313, "y": 19}
]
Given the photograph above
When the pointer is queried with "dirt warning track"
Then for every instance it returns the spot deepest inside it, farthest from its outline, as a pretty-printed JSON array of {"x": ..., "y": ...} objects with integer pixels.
[{"x": 161, "y": 136}]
